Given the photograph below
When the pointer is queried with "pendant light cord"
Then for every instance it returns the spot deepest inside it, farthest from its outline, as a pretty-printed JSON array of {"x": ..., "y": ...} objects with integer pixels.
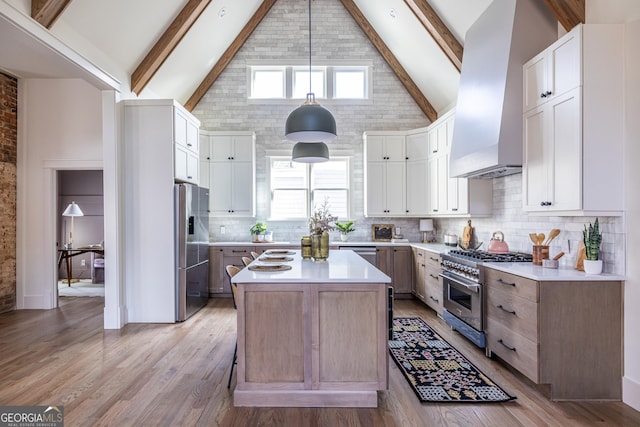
[{"x": 310, "y": 91}]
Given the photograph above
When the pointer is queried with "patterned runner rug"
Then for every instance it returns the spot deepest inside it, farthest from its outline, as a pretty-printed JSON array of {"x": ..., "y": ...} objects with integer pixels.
[{"x": 436, "y": 371}]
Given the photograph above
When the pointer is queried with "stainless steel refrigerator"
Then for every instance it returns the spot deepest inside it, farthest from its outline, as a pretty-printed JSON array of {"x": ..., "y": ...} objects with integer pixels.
[{"x": 192, "y": 249}]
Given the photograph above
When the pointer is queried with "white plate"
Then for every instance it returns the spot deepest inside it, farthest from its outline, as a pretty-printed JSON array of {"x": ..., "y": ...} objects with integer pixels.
[{"x": 279, "y": 252}]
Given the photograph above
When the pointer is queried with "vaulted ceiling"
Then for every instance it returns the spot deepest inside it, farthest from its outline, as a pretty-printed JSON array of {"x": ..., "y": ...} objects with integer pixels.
[{"x": 178, "y": 48}]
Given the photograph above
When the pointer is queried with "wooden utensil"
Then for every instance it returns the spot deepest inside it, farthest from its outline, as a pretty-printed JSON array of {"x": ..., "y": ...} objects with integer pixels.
[
  {"x": 552, "y": 235},
  {"x": 557, "y": 257},
  {"x": 540, "y": 238},
  {"x": 534, "y": 238},
  {"x": 466, "y": 236}
]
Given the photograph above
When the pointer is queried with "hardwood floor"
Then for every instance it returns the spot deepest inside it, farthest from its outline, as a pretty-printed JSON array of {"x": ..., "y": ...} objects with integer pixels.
[{"x": 176, "y": 375}]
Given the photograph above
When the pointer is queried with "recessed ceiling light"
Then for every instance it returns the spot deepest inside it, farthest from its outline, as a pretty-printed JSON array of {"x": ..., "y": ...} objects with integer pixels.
[
  {"x": 222, "y": 12},
  {"x": 392, "y": 13}
]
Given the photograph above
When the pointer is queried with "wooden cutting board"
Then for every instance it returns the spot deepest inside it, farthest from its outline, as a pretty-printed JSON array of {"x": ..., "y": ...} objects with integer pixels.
[
  {"x": 466, "y": 236},
  {"x": 580, "y": 256}
]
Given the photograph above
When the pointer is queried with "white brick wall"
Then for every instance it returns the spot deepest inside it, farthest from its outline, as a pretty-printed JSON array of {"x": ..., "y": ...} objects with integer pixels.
[{"x": 336, "y": 37}]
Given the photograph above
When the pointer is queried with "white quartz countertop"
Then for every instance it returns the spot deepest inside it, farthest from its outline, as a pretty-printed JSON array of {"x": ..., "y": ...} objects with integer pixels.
[
  {"x": 340, "y": 267},
  {"x": 433, "y": 247},
  {"x": 536, "y": 272}
]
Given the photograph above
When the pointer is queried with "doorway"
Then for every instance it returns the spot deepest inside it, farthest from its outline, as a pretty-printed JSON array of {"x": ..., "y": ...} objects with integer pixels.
[{"x": 80, "y": 227}]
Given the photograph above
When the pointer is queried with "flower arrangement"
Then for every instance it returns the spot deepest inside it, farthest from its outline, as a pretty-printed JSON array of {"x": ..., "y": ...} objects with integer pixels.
[
  {"x": 321, "y": 219},
  {"x": 592, "y": 239},
  {"x": 258, "y": 228}
]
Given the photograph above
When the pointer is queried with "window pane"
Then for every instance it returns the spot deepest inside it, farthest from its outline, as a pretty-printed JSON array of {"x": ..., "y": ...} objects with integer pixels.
[
  {"x": 287, "y": 204},
  {"x": 337, "y": 199},
  {"x": 301, "y": 83},
  {"x": 268, "y": 84},
  {"x": 288, "y": 174},
  {"x": 332, "y": 174},
  {"x": 350, "y": 84}
]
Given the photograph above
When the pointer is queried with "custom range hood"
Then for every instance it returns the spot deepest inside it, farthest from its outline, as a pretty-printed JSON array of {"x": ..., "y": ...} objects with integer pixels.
[{"x": 487, "y": 134}]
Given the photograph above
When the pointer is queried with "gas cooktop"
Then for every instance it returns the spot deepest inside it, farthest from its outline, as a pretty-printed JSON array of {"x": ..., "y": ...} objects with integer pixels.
[{"x": 484, "y": 256}]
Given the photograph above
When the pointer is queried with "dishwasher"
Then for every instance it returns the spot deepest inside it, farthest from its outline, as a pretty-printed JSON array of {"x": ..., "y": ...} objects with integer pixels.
[
  {"x": 366, "y": 252},
  {"x": 369, "y": 254}
]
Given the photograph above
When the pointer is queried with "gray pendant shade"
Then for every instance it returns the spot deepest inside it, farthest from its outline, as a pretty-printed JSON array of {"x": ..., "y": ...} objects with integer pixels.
[
  {"x": 310, "y": 122},
  {"x": 310, "y": 152}
]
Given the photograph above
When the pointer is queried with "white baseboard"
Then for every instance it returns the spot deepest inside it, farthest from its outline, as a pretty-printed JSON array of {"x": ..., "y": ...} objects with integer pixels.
[{"x": 631, "y": 392}]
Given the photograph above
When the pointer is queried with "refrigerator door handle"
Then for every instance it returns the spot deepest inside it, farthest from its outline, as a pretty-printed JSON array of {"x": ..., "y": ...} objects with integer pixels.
[{"x": 191, "y": 225}]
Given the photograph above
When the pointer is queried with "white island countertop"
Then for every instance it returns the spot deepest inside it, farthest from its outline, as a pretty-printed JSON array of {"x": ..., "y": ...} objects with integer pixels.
[
  {"x": 562, "y": 274},
  {"x": 341, "y": 267}
]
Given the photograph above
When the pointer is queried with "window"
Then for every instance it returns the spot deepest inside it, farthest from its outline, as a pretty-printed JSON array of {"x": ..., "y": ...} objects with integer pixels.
[
  {"x": 296, "y": 188},
  {"x": 268, "y": 83},
  {"x": 301, "y": 83},
  {"x": 350, "y": 83}
]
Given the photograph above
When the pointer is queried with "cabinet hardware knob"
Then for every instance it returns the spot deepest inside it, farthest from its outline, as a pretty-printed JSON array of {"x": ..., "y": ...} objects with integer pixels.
[
  {"x": 189, "y": 144},
  {"x": 548, "y": 93},
  {"x": 433, "y": 259},
  {"x": 506, "y": 283},
  {"x": 208, "y": 158},
  {"x": 542, "y": 95},
  {"x": 190, "y": 177},
  {"x": 510, "y": 348},
  {"x": 406, "y": 158},
  {"x": 422, "y": 265},
  {"x": 455, "y": 209},
  {"x": 506, "y": 310},
  {"x": 434, "y": 299},
  {"x": 435, "y": 210},
  {"x": 407, "y": 211},
  {"x": 435, "y": 277}
]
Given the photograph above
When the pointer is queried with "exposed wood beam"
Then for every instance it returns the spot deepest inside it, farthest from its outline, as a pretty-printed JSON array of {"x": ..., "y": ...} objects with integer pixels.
[
  {"x": 438, "y": 30},
  {"x": 393, "y": 62},
  {"x": 569, "y": 12},
  {"x": 45, "y": 12},
  {"x": 228, "y": 54},
  {"x": 167, "y": 43}
]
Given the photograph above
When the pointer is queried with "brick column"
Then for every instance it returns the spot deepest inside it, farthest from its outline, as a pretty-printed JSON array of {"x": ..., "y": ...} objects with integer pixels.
[{"x": 8, "y": 156}]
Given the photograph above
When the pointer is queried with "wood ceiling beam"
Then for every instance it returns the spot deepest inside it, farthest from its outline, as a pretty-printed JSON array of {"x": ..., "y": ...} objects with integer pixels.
[
  {"x": 438, "y": 31},
  {"x": 568, "y": 12},
  {"x": 393, "y": 62},
  {"x": 45, "y": 12},
  {"x": 166, "y": 44},
  {"x": 228, "y": 54}
]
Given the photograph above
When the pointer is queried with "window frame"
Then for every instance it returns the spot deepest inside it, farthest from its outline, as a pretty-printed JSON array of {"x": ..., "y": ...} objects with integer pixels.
[
  {"x": 265, "y": 68},
  {"x": 309, "y": 190}
]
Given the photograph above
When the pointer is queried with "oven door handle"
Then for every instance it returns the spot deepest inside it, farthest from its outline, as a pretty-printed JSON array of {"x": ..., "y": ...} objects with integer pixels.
[{"x": 473, "y": 287}]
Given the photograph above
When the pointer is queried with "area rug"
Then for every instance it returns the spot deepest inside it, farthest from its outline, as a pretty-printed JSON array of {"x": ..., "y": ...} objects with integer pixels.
[
  {"x": 82, "y": 288},
  {"x": 436, "y": 371}
]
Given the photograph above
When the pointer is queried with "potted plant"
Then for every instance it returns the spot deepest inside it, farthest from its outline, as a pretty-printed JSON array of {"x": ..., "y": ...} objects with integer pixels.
[
  {"x": 592, "y": 238},
  {"x": 345, "y": 228},
  {"x": 257, "y": 230}
]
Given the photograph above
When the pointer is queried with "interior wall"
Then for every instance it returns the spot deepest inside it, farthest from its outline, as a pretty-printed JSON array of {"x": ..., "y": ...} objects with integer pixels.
[
  {"x": 85, "y": 187},
  {"x": 59, "y": 127},
  {"x": 8, "y": 155},
  {"x": 282, "y": 37}
]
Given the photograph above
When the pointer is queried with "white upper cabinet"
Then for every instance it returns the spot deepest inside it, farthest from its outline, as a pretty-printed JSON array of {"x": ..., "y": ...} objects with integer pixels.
[
  {"x": 227, "y": 162},
  {"x": 553, "y": 72},
  {"x": 186, "y": 145},
  {"x": 385, "y": 174},
  {"x": 573, "y": 136}
]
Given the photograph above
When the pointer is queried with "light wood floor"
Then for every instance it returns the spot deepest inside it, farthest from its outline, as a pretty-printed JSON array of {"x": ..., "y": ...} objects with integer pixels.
[{"x": 176, "y": 375}]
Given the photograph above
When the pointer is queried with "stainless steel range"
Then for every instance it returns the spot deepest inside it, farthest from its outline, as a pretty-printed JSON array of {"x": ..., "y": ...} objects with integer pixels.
[{"x": 463, "y": 279}]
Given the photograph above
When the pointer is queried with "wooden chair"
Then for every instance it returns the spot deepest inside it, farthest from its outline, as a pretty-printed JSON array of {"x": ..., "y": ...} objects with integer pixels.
[
  {"x": 255, "y": 255},
  {"x": 246, "y": 260},
  {"x": 232, "y": 270}
]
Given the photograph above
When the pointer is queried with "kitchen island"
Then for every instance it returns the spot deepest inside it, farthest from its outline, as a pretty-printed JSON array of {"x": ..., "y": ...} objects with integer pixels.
[{"x": 314, "y": 335}]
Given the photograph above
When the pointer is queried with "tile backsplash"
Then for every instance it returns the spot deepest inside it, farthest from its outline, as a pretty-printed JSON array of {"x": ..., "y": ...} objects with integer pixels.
[{"x": 507, "y": 217}]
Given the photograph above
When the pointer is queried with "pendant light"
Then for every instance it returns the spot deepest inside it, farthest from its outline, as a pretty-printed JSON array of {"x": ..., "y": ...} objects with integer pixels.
[
  {"x": 310, "y": 122},
  {"x": 310, "y": 152}
]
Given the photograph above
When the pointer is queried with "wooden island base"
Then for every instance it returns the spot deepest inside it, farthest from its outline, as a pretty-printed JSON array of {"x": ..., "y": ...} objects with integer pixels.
[{"x": 310, "y": 344}]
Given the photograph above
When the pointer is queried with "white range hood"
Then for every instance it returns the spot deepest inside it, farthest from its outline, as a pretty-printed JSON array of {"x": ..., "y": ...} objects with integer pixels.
[{"x": 487, "y": 135}]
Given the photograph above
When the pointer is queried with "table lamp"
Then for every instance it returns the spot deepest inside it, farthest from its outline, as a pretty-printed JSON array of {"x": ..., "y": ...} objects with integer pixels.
[
  {"x": 72, "y": 210},
  {"x": 426, "y": 225}
]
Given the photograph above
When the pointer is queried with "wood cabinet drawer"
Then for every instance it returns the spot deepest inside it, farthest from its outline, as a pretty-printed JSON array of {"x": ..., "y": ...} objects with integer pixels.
[
  {"x": 432, "y": 260},
  {"x": 433, "y": 292},
  {"x": 509, "y": 283},
  {"x": 516, "y": 350},
  {"x": 238, "y": 251},
  {"x": 514, "y": 313}
]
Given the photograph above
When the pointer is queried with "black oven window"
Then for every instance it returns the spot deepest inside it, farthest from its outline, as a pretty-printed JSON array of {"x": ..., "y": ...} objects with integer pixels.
[{"x": 462, "y": 298}]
